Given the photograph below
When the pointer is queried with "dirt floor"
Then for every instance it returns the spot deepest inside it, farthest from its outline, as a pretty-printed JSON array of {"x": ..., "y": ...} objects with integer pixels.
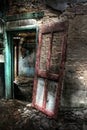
[{"x": 18, "y": 115}]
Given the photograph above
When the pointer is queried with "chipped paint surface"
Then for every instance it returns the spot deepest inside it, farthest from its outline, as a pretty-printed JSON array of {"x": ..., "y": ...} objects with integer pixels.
[{"x": 50, "y": 81}]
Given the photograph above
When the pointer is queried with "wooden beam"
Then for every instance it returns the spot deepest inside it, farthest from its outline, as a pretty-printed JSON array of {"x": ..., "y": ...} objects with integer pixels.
[{"x": 34, "y": 15}]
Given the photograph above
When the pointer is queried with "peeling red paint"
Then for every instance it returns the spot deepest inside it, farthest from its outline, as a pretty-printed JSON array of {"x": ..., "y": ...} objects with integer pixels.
[{"x": 46, "y": 74}]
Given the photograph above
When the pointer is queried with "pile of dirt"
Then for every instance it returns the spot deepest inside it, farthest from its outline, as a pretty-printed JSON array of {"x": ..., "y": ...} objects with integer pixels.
[{"x": 18, "y": 115}]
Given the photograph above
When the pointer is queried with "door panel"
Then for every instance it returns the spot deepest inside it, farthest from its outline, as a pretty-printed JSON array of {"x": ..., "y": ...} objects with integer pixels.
[
  {"x": 50, "y": 67},
  {"x": 51, "y": 95},
  {"x": 44, "y": 51},
  {"x": 56, "y": 57},
  {"x": 40, "y": 91}
]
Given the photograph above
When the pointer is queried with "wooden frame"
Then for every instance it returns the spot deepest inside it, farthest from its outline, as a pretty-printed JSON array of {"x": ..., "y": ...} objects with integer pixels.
[
  {"x": 48, "y": 84},
  {"x": 34, "y": 15},
  {"x": 9, "y": 67}
]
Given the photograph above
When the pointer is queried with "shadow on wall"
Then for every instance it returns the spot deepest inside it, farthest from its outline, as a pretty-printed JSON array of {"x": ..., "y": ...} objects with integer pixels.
[{"x": 74, "y": 90}]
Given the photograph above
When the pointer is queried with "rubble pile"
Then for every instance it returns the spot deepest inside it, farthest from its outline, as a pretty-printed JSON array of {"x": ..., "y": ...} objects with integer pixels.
[{"x": 19, "y": 115}]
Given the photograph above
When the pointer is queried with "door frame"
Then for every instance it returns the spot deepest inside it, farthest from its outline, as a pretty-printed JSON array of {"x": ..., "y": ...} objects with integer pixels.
[{"x": 9, "y": 89}]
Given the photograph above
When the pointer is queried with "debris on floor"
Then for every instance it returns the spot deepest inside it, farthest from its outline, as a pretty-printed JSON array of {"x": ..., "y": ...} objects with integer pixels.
[{"x": 20, "y": 115}]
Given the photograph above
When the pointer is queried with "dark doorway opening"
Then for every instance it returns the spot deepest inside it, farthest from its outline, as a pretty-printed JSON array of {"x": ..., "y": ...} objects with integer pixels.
[{"x": 22, "y": 45}]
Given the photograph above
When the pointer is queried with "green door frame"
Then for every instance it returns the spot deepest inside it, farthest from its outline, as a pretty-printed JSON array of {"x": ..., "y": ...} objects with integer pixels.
[{"x": 9, "y": 58}]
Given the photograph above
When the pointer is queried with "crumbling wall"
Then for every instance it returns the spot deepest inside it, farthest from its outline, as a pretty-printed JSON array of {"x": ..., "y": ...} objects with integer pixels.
[
  {"x": 75, "y": 82},
  {"x": 74, "y": 92},
  {"x": 23, "y": 6}
]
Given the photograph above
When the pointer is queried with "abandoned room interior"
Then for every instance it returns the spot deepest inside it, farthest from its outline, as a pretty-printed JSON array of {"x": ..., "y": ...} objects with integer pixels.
[{"x": 43, "y": 64}]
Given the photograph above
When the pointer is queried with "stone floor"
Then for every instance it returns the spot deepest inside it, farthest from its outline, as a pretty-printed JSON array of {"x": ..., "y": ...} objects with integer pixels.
[{"x": 18, "y": 115}]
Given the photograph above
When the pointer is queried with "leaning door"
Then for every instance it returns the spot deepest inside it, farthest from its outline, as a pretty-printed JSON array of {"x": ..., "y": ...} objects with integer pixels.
[{"x": 50, "y": 67}]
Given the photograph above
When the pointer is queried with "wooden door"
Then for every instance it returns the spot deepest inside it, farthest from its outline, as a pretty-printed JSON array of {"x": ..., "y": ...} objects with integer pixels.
[{"x": 50, "y": 62}]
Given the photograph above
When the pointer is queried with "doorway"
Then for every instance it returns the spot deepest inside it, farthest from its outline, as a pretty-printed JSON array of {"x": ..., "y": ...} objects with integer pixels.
[{"x": 21, "y": 46}]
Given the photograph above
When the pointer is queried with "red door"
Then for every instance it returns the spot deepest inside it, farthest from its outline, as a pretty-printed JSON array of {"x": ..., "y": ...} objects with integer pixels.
[{"x": 50, "y": 62}]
